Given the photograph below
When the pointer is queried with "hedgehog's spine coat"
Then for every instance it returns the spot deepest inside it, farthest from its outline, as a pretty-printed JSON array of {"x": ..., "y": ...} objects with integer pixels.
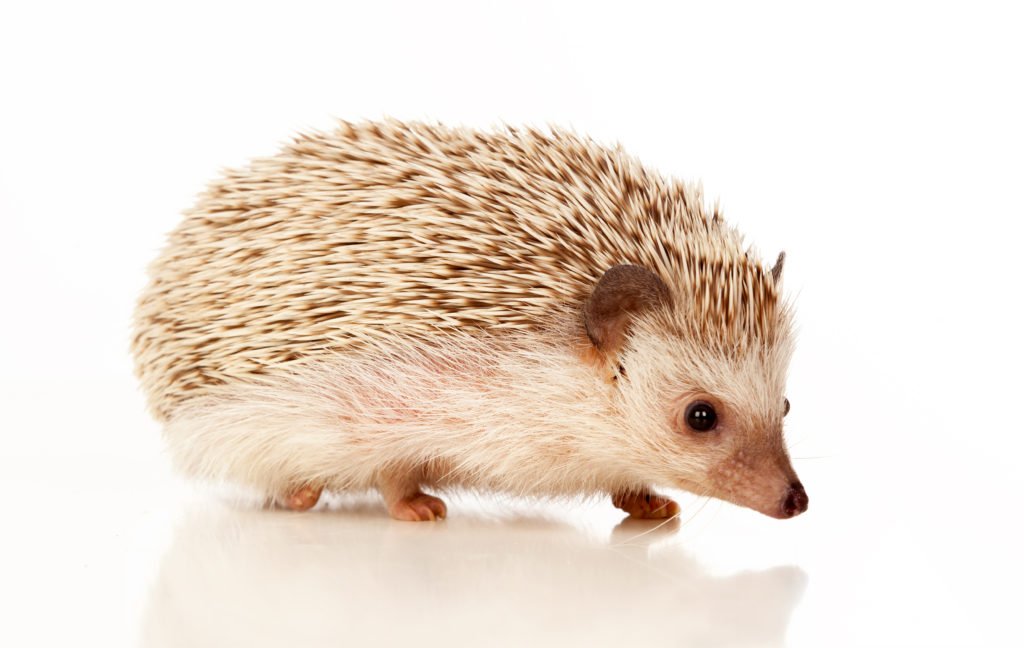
[{"x": 379, "y": 230}]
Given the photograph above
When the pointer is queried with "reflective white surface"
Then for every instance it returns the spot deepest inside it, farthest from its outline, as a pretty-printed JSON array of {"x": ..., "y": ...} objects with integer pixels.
[{"x": 268, "y": 579}]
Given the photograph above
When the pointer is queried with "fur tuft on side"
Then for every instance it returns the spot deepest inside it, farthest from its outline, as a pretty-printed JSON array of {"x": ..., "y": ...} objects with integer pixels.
[{"x": 518, "y": 414}]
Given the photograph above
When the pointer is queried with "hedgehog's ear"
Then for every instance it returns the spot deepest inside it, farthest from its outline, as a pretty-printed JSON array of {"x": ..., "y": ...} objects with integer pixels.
[
  {"x": 777, "y": 268},
  {"x": 622, "y": 292}
]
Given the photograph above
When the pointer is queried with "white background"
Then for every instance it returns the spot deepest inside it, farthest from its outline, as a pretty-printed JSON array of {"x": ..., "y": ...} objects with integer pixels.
[{"x": 880, "y": 145}]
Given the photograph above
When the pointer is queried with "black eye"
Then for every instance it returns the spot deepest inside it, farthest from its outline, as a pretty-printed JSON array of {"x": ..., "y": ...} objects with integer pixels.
[
  {"x": 785, "y": 409},
  {"x": 700, "y": 416}
]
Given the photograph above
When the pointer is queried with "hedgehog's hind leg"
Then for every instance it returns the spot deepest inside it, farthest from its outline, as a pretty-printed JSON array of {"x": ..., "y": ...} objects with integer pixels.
[
  {"x": 405, "y": 500},
  {"x": 301, "y": 499},
  {"x": 645, "y": 505}
]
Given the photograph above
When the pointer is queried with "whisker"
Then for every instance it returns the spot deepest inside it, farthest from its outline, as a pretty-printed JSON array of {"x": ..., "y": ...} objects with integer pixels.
[
  {"x": 705, "y": 496},
  {"x": 626, "y": 543}
]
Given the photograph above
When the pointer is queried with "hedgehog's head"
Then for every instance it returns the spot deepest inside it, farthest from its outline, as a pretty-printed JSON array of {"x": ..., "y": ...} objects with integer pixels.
[{"x": 699, "y": 379}]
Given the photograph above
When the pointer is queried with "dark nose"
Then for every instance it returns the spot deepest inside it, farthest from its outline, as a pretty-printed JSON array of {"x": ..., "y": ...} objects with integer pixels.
[{"x": 795, "y": 502}]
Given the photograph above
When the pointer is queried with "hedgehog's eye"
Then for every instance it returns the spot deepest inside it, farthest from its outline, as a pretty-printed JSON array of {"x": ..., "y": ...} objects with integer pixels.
[
  {"x": 785, "y": 409},
  {"x": 701, "y": 417}
]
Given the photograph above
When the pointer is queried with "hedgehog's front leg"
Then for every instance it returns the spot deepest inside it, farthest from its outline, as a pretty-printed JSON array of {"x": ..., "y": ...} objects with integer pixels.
[
  {"x": 405, "y": 500},
  {"x": 645, "y": 504}
]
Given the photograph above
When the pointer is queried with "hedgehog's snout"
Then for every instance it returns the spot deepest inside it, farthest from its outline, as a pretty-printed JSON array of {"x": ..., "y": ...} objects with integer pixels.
[{"x": 795, "y": 501}]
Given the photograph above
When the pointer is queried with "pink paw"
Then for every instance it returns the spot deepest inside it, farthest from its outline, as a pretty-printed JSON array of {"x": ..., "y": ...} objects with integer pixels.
[
  {"x": 647, "y": 506},
  {"x": 303, "y": 499},
  {"x": 418, "y": 508}
]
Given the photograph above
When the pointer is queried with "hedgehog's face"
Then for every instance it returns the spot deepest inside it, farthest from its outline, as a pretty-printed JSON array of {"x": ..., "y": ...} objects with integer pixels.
[
  {"x": 729, "y": 412},
  {"x": 705, "y": 420}
]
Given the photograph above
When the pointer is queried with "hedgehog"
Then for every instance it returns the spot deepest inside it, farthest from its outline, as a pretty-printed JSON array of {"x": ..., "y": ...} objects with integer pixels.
[{"x": 410, "y": 307}]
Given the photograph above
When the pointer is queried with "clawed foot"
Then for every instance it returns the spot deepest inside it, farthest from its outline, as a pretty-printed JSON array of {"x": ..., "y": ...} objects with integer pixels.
[
  {"x": 419, "y": 507},
  {"x": 303, "y": 499},
  {"x": 647, "y": 506}
]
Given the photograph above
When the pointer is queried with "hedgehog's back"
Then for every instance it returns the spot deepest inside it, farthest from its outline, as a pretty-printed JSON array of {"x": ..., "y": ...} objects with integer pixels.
[{"x": 381, "y": 230}]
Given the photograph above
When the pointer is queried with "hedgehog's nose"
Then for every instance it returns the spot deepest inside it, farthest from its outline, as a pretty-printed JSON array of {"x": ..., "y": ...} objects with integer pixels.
[{"x": 795, "y": 502}]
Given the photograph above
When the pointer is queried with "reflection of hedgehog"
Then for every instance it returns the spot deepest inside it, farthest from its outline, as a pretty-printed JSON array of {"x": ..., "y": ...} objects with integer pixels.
[
  {"x": 396, "y": 305},
  {"x": 255, "y": 579}
]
